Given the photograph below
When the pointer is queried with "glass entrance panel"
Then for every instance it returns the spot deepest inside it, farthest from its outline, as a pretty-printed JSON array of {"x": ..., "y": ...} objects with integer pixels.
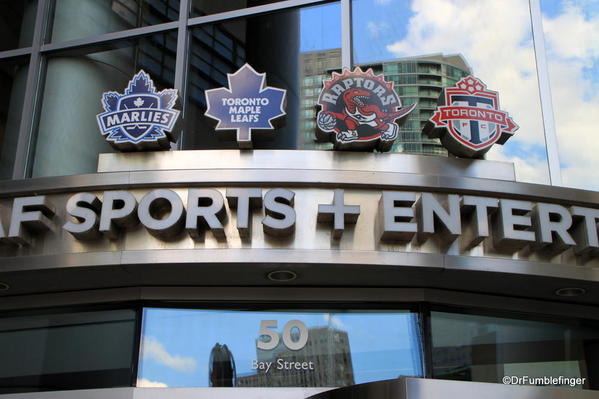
[{"x": 295, "y": 348}]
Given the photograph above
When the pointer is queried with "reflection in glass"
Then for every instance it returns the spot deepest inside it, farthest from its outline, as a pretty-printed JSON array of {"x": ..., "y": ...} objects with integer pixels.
[
  {"x": 68, "y": 139},
  {"x": 222, "y": 367},
  {"x": 13, "y": 76},
  {"x": 485, "y": 349},
  {"x": 205, "y": 7},
  {"x": 17, "y": 20},
  {"x": 74, "y": 19},
  {"x": 67, "y": 351},
  {"x": 200, "y": 348},
  {"x": 572, "y": 46},
  {"x": 275, "y": 44},
  {"x": 390, "y": 31}
]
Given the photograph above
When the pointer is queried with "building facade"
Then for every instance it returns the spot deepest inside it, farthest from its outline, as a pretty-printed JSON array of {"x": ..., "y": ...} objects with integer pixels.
[{"x": 291, "y": 269}]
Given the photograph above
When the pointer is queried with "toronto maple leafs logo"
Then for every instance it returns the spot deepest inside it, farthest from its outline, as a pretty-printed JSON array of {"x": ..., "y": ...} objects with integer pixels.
[
  {"x": 139, "y": 118},
  {"x": 247, "y": 105}
]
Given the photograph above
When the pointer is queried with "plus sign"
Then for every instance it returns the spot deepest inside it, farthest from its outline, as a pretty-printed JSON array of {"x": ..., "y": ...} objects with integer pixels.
[{"x": 339, "y": 213}]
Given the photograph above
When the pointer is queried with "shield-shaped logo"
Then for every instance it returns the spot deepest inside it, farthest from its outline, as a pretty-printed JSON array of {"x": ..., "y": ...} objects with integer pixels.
[
  {"x": 134, "y": 102},
  {"x": 139, "y": 118},
  {"x": 468, "y": 119}
]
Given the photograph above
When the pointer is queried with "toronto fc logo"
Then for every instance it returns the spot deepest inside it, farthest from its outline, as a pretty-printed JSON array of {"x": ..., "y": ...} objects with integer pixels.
[
  {"x": 139, "y": 118},
  {"x": 360, "y": 111},
  {"x": 468, "y": 119}
]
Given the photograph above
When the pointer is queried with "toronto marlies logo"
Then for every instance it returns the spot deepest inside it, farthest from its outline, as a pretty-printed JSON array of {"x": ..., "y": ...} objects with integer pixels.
[
  {"x": 139, "y": 118},
  {"x": 468, "y": 119},
  {"x": 360, "y": 111}
]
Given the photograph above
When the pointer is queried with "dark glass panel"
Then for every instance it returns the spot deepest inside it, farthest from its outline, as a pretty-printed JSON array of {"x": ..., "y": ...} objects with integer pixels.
[
  {"x": 487, "y": 349},
  {"x": 293, "y": 47},
  {"x": 205, "y": 7},
  {"x": 75, "y": 19},
  {"x": 17, "y": 20},
  {"x": 13, "y": 78},
  {"x": 67, "y": 351}
]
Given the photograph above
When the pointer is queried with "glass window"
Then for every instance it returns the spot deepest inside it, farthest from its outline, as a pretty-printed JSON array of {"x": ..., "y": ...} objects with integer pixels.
[
  {"x": 468, "y": 38},
  {"x": 407, "y": 91},
  {"x": 13, "y": 78},
  {"x": 205, "y": 7},
  {"x": 485, "y": 349},
  {"x": 67, "y": 351},
  {"x": 292, "y": 47},
  {"x": 68, "y": 138},
  {"x": 226, "y": 348},
  {"x": 572, "y": 45},
  {"x": 17, "y": 20},
  {"x": 75, "y": 19}
]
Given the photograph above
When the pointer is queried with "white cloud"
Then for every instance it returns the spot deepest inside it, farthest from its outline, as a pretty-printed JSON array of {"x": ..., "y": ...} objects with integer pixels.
[
  {"x": 145, "y": 383},
  {"x": 152, "y": 349},
  {"x": 333, "y": 321},
  {"x": 376, "y": 28}
]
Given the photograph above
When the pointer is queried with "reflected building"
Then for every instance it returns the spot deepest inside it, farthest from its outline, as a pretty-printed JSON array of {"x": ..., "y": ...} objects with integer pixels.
[
  {"x": 216, "y": 50},
  {"x": 416, "y": 80},
  {"x": 222, "y": 371},
  {"x": 326, "y": 355}
]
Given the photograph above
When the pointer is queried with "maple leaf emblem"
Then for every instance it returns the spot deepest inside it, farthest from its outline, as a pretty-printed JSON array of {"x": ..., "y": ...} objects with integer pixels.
[{"x": 247, "y": 104}]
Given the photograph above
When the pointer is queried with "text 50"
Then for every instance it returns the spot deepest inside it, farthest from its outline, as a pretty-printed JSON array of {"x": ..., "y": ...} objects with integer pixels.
[{"x": 266, "y": 327}]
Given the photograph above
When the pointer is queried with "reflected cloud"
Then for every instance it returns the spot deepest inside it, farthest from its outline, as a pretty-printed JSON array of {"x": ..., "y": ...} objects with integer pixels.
[
  {"x": 151, "y": 348},
  {"x": 333, "y": 321},
  {"x": 531, "y": 169},
  {"x": 572, "y": 42},
  {"x": 145, "y": 383},
  {"x": 375, "y": 29}
]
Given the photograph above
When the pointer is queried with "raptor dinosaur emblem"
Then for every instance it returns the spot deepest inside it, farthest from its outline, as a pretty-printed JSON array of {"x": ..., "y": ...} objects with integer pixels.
[{"x": 360, "y": 111}]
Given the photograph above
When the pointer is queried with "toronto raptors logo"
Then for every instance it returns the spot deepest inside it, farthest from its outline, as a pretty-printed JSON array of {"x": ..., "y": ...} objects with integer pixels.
[
  {"x": 468, "y": 119},
  {"x": 360, "y": 111}
]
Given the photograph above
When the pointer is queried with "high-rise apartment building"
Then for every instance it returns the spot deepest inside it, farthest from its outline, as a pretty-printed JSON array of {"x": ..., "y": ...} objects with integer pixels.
[{"x": 416, "y": 80}]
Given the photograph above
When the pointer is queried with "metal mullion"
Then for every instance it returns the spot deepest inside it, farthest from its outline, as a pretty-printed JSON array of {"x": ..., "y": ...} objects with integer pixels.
[
  {"x": 15, "y": 53},
  {"x": 137, "y": 342},
  {"x": 427, "y": 339},
  {"x": 551, "y": 145},
  {"x": 24, "y": 142},
  {"x": 346, "y": 34},
  {"x": 109, "y": 37},
  {"x": 249, "y": 11},
  {"x": 181, "y": 63}
]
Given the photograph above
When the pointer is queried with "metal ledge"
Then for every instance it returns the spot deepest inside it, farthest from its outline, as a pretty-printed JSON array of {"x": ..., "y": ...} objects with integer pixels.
[
  {"x": 297, "y": 258},
  {"x": 298, "y": 178},
  {"x": 305, "y": 160}
]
